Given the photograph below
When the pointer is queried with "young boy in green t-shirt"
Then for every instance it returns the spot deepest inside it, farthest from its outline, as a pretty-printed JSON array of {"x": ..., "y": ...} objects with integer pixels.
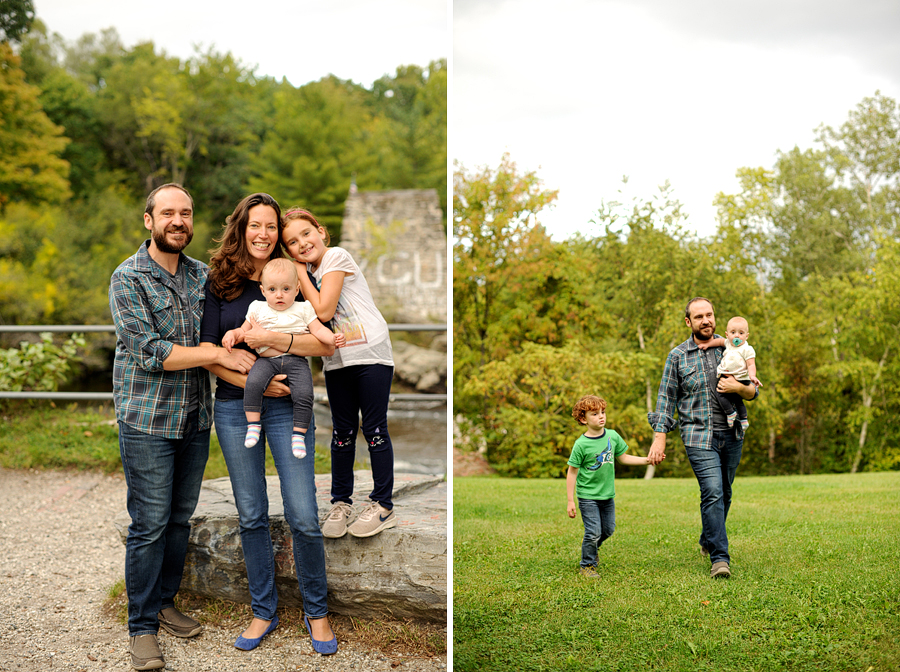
[{"x": 592, "y": 475}]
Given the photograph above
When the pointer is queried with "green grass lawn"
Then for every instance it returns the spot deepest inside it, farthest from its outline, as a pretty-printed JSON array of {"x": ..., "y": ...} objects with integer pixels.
[
  {"x": 44, "y": 436},
  {"x": 815, "y": 585}
]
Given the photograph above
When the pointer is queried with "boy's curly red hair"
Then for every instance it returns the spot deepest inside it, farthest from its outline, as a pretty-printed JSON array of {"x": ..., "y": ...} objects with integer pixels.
[{"x": 589, "y": 402}]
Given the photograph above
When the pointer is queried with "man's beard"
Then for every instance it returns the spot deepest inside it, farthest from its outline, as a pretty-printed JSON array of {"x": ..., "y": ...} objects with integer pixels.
[
  {"x": 700, "y": 337},
  {"x": 159, "y": 238}
]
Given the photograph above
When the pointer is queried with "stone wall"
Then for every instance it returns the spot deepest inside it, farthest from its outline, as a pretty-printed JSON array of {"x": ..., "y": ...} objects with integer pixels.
[
  {"x": 399, "y": 573},
  {"x": 398, "y": 239}
]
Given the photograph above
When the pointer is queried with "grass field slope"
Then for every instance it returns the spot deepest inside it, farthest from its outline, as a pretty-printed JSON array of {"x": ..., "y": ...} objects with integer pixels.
[{"x": 815, "y": 585}]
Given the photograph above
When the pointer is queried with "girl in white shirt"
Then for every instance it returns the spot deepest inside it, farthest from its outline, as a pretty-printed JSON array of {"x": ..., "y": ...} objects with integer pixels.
[{"x": 357, "y": 377}]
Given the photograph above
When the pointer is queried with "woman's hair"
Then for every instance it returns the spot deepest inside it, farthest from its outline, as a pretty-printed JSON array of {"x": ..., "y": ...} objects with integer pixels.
[
  {"x": 588, "y": 402},
  {"x": 231, "y": 264},
  {"x": 293, "y": 213}
]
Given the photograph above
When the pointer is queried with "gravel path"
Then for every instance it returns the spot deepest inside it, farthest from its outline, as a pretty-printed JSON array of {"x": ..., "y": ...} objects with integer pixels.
[{"x": 59, "y": 553}]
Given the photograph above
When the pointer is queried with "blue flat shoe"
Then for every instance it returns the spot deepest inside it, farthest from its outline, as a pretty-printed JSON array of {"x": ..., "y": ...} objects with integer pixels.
[
  {"x": 245, "y": 644},
  {"x": 325, "y": 648}
]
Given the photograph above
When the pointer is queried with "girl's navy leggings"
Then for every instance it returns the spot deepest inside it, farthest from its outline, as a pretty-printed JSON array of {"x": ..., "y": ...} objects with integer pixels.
[{"x": 354, "y": 390}]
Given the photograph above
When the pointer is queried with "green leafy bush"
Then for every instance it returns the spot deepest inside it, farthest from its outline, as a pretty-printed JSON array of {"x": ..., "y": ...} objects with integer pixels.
[
  {"x": 528, "y": 397},
  {"x": 42, "y": 366}
]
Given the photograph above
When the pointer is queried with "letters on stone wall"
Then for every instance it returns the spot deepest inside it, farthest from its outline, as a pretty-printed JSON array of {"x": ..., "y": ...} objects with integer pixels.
[{"x": 399, "y": 242}]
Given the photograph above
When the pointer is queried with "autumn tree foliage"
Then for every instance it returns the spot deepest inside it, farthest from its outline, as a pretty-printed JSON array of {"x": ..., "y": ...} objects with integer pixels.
[
  {"x": 31, "y": 168},
  {"x": 88, "y": 128},
  {"x": 807, "y": 250}
]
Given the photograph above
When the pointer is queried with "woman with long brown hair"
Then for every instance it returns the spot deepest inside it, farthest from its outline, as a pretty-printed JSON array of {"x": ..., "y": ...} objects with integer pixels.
[{"x": 252, "y": 238}]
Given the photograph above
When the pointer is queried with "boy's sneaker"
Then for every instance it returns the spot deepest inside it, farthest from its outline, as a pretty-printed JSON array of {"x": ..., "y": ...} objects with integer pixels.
[
  {"x": 373, "y": 519},
  {"x": 335, "y": 525},
  {"x": 590, "y": 571}
]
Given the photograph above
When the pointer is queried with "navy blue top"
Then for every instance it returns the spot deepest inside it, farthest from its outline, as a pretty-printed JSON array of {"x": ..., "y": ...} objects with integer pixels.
[{"x": 220, "y": 316}]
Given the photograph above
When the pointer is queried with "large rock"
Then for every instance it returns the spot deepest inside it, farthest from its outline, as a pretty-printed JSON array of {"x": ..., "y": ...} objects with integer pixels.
[
  {"x": 400, "y": 573},
  {"x": 425, "y": 369}
]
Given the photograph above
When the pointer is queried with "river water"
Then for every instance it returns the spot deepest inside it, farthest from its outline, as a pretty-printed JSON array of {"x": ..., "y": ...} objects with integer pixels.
[
  {"x": 418, "y": 429},
  {"x": 419, "y": 437}
]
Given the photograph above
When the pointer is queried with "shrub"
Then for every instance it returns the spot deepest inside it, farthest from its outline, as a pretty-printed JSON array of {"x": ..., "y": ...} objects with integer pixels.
[{"x": 41, "y": 366}]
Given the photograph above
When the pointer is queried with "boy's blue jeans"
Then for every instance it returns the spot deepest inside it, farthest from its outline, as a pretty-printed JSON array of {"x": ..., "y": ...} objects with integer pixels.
[
  {"x": 715, "y": 469},
  {"x": 599, "y": 518}
]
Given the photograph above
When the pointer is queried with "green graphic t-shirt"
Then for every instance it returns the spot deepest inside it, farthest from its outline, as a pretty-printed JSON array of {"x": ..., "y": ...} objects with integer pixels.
[{"x": 593, "y": 457}]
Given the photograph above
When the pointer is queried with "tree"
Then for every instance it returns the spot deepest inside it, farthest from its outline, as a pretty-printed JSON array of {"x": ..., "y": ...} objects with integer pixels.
[
  {"x": 819, "y": 224},
  {"x": 544, "y": 297},
  {"x": 233, "y": 110},
  {"x": 31, "y": 168},
  {"x": 69, "y": 103},
  {"x": 645, "y": 268},
  {"x": 865, "y": 308},
  {"x": 865, "y": 153},
  {"x": 16, "y": 17},
  {"x": 410, "y": 130},
  {"x": 39, "y": 53},
  {"x": 807, "y": 251},
  {"x": 55, "y": 263},
  {"x": 319, "y": 138},
  {"x": 527, "y": 423},
  {"x": 142, "y": 106},
  {"x": 92, "y": 56},
  {"x": 494, "y": 211}
]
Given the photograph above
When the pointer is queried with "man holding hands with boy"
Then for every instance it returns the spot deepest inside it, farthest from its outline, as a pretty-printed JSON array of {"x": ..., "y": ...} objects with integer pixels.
[{"x": 688, "y": 382}]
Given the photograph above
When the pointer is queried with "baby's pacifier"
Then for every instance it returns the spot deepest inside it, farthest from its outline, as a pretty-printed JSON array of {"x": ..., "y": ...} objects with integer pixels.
[{"x": 736, "y": 342}]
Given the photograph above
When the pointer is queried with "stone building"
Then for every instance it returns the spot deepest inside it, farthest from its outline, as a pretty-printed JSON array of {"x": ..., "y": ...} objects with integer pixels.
[{"x": 399, "y": 242}]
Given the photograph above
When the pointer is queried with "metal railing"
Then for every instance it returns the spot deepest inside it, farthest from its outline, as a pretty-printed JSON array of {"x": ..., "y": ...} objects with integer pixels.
[{"x": 108, "y": 396}]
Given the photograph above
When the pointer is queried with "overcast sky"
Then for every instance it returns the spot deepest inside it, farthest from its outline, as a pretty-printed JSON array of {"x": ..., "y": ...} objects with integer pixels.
[
  {"x": 586, "y": 91},
  {"x": 302, "y": 40},
  {"x": 582, "y": 91}
]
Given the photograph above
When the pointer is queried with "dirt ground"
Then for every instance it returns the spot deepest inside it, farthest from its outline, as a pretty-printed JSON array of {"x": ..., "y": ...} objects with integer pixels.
[
  {"x": 469, "y": 464},
  {"x": 60, "y": 556}
]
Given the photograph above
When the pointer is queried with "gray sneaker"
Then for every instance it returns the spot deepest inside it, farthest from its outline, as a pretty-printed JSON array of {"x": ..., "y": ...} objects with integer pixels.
[
  {"x": 176, "y": 623},
  {"x": 720, "y": 570},
  {"x": 335, "y": 524},
  {"x": 145, "y": 653},
  {"x": 373, "y": 519}
]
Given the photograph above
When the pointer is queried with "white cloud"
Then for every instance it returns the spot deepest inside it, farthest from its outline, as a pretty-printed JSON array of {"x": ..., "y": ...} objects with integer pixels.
[
  {"x": 592, "y": 91},
  {"x": 298, "y": 39}
]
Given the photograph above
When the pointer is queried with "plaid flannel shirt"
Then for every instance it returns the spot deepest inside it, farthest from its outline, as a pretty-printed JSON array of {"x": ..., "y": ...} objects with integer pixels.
[
  {"x": 686, "y": 387},
  {"x": 150, "y": 319}
]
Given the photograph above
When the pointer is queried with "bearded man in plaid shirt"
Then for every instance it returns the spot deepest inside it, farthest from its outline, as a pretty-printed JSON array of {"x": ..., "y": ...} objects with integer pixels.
[
  {"x": 713, "y": 448},
  {"x": 164, "y": 410}
]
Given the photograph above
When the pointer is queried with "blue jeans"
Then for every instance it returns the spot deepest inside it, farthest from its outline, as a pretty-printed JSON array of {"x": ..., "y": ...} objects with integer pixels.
[
  {"x": 163, "y": 477},
  {"x": 715, "y": 469},
  {"x": 599, "y": 518},
  {"x": 247, "y": 470},
  {"x": 363, "y": 389}
]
